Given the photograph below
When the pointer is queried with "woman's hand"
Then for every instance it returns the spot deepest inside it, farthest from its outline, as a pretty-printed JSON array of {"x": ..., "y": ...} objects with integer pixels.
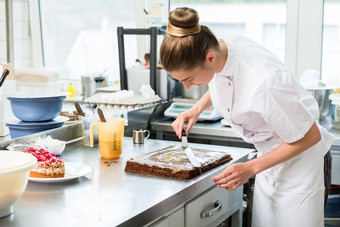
[
  {"x": 234, "y": 176},
  {"x": 189, "y": 116}
]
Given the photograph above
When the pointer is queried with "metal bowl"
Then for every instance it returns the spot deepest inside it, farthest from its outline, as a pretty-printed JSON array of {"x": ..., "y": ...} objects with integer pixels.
[
  {"x": 324, "y": 103},
  {"x": 36, "y": 108}
]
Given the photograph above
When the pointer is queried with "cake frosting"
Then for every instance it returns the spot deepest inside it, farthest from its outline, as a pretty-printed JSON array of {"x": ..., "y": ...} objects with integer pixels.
[{"x": 173, "y": 162}]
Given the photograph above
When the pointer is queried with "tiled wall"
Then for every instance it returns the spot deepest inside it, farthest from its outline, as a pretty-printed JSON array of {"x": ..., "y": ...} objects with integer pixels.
[{"x": 21, "y": 33}]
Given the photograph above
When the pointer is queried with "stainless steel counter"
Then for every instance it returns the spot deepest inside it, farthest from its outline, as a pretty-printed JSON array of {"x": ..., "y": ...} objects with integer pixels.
[
  {"x": 109, "y": 196},
  {"x": 217, "y": 131}
]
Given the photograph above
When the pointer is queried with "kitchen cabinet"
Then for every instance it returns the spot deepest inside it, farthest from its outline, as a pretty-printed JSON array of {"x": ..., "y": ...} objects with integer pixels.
[
  {"x": 208, "y": 209},
  {"x": 174, "y": 219},
  {"x": 213, "y": 207}
]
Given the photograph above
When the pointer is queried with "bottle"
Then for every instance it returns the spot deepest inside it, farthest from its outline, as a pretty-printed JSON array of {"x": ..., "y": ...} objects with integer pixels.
[{"x": 72, "y": 90}]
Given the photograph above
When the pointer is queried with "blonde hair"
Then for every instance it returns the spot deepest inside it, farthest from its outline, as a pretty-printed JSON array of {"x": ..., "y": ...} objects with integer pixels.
[{"x": 187, "y": 42}]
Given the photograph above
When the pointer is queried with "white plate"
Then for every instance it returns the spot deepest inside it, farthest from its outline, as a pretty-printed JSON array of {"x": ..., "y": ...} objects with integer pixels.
[{"x": 72, "y": 170}]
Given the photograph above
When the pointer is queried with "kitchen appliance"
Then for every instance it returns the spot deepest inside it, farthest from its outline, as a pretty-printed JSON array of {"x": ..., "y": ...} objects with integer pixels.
[
  {"x": 14, "y": 170},
  {"x": 209, "y": 114}
]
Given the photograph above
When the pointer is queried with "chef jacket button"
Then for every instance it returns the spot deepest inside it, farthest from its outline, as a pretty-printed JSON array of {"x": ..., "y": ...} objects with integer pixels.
[
  {"x": 229, "y": 84},
  {"x": 228, "y": 110}
]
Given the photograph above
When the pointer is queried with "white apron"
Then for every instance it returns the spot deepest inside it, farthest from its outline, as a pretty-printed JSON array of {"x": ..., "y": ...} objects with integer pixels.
[{"x": 290, "y": 194}]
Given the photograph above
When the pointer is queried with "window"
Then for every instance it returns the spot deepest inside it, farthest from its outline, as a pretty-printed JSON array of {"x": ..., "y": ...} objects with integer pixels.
[
  {"x": 80, "y": 36},
  {"x": 260, "y": 20},
  {"x": 331, "y": 42}
]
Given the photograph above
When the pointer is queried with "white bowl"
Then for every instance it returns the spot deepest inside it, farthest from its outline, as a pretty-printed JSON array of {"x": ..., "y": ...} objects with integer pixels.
[{"x": 14, "y": 171}]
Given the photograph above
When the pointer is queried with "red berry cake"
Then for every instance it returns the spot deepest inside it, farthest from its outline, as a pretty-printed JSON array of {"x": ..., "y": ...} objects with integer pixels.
[{"x": 49, "y": 166}]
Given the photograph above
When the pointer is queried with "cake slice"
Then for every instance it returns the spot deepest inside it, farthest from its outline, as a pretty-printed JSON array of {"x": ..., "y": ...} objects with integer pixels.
[
  {"x": 49, "y": 165},
  {"x": 172, "y": 162}
]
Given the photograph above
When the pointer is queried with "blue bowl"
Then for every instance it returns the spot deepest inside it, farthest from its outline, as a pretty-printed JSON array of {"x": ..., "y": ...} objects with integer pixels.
[
  {"x": 21, "y": 128},
  {"x": 36, "y": 109}
]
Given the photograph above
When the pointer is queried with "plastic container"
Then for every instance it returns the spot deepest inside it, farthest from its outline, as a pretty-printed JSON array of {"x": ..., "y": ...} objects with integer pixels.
[
  {"x": 87, "y": 120},
  {"x": 14, "y": 170},
  {"x": 37, "y": 108},
  {"x": 20, "y": 128},
  {"x": 110, "y": 135},
  {"x": 335, "y": 117}
]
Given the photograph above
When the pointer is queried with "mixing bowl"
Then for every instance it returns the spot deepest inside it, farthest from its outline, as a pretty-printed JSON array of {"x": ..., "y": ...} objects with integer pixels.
[
  {"x": 37, "y": 108},
  {"x": 14, "y": 171},
  {"x": 322, "y": 97}
]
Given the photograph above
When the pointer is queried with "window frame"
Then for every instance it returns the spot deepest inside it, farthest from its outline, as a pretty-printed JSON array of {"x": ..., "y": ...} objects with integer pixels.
[{"x": 303, "y": 41}]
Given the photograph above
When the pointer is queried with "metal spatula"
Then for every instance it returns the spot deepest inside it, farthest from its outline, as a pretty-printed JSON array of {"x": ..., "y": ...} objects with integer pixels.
[{"x": 187, "y": 150}]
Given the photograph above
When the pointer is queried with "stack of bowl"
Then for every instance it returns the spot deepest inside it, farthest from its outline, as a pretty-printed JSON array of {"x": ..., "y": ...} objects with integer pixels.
[{"x": 36, "y": 113}]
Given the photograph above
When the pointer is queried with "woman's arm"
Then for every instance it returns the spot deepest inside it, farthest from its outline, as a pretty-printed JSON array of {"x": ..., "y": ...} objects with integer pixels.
[
  {"x": 237, "y": 174},
  {"x": 191, "y": 115}
]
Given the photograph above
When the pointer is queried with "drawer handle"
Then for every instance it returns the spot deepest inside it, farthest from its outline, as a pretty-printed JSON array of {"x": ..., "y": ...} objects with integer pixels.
[{"x": 209, "y": 213}]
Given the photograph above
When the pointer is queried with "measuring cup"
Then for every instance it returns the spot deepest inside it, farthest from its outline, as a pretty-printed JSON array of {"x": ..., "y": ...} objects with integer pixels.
[{"x": 110, "y": 135}]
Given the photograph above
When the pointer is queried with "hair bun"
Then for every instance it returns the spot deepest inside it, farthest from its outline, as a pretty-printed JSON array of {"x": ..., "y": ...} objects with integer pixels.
[
  {"x": 183, "y": 22},
  {"x": 184, "y": 17}
]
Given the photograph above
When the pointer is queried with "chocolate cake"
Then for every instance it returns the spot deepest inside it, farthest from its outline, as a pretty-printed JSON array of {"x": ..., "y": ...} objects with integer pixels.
[{"x": 172, "y": 162}]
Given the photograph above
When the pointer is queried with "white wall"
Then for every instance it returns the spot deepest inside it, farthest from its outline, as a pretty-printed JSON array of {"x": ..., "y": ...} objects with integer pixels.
[{"x": 21, "y": 33}]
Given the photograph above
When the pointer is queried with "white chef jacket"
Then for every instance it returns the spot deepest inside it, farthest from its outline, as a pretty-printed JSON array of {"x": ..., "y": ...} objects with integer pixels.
[{"x": 259, "y": 97}]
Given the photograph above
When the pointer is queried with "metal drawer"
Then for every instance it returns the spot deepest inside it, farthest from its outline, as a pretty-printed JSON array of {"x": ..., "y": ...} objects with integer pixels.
[
  {"x": 221, "y": 204},
  {"x": 335, "y": 167}
]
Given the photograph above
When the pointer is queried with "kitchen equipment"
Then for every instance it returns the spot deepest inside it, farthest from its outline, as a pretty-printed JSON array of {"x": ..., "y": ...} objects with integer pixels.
[
  {"x": 209, "y": 114},
  {"x": 3, "y": 76},
  {"x": 14, "y": 170},
  {"x": 19, "y": 128},
  {"x": 110, "y": 135},
  {"x": 101, "y": 115},
  {"x": 194, "y": 92},
  {"x": 79, "y": 109},
  {"x": 91, "y": 83},
  {"x": 139, "y": 136},
  {"x": 187, "y": 150},
  {"x": 86, "y": 121},
  {"x": 37, "y": 108},
  {"x": 321, "y": 94},
  {"x": 335, "y": 117},
  {"x": 91, "y": 107}
]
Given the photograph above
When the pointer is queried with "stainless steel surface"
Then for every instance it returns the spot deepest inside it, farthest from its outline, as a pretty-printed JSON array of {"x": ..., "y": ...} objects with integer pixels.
[
  {"x": 109, "y": 196},
  {"x": 9, "y": 31},
  {"x": 194, "y": 92},
  {"x": 138, "y": 136},
  {"x": 212, "y": 212},
  {"x": 324, "y": 103},
  {"x": 192, "y": 158},
  {"x": 66, "y": 132},
  {"x": 205, "y": 130},
  {"x": 88, "y": 85}
]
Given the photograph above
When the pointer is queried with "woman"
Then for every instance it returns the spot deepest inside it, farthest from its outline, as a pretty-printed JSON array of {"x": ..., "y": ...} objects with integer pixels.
[{"x": 259, "y": 97}]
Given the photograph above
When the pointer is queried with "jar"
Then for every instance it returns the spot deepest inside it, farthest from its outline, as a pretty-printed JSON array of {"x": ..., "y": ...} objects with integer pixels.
[{"x": 335, "y": 118}]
